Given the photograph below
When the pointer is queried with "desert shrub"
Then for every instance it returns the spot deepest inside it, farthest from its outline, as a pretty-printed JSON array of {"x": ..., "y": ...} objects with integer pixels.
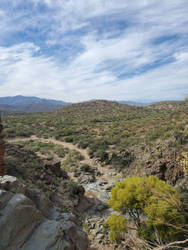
[
  {"x": 86, "y": 168},
  {"x": 101, "y": 155},
  {"x": 10, "y": 133},
  {"x": 121, "y": 161},
  {"x": 91, "y": 153},
  {"x": 186, "y": 131},
  {"x": 183, "y": 162},
  {"x": 72, "y": 188},
  {"x": 61, "y": 151},
  {"x": 69, "y": 138},
  {"x": 72, "y": 160},
  {"x": 152, "y": 199},
  {"x": 117, "y": 224},
  {"x": 84, "y": 141},
  {"x": 75, "y": 155},
  {"x": 46, "y": 148}
]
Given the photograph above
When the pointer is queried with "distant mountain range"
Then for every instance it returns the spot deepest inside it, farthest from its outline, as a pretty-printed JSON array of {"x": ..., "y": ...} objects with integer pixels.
[{"x": 21, "y": 103}]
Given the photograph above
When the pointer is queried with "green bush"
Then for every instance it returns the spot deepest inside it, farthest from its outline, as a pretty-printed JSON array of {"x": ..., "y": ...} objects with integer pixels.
[
  {"x": 117, "y": 224},
  {"x": 152, "y": 198}
]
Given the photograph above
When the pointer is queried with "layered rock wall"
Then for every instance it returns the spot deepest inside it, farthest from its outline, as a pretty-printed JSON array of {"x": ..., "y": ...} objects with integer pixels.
[{"x": 2, "y": 151}]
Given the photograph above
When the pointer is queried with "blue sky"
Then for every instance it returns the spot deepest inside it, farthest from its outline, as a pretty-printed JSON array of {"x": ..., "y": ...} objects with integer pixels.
[{"x": 77, "y": 50}]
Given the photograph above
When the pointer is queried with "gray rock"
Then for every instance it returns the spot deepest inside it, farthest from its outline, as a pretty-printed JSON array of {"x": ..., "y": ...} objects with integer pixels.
[
  {"x": 23, "y": 226},
  {"x": 12, "y": 184},
  {"x": 17, "y": 221},
  {"x": 4, "y": 198},
  {"x": 103, "y": 196},
  {"x": 109, "y": 187},
  {"x": 57, "y": 235},
  {"x": 86, "y": 179},
  {"x": 49, "y": 235},
  {"x": 100, "y": 236},
  {"x": 41, "y": 201},
  {"x": 72, "y": 232}
]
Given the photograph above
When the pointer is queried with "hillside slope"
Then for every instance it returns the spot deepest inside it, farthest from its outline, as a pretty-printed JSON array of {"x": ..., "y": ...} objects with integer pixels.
[{"x": 133, "y": 140}]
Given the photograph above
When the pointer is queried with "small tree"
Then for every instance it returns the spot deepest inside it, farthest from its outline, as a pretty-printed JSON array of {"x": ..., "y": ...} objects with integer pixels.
[{"x": 153, "y": 206}]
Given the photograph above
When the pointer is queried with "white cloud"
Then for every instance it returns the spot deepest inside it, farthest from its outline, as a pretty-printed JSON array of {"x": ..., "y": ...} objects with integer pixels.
[{"x": 94, "y": 71}]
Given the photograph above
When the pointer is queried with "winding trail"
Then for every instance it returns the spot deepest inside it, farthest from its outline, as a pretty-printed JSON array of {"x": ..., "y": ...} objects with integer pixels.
[{"x": 107, "y": 173}]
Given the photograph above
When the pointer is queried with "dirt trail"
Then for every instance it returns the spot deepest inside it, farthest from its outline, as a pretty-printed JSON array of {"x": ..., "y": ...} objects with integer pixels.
[{"x": 87, "y": 160}]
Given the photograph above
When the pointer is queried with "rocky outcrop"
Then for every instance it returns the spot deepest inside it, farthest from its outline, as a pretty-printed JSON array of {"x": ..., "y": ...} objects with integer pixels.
[
  {"x": 28, "y": 220},
  {"x": 53, "y": 166},
  {"x": 165, "y": 169},
  {"x": 2, "y": 151}
]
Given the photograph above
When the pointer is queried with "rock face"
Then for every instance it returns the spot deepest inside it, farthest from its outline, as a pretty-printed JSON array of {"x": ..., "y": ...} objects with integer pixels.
[
  {"x": 2, "y": 151},
  {"x": 54, "y": 166},
  {"x": 30, "y": 221}
]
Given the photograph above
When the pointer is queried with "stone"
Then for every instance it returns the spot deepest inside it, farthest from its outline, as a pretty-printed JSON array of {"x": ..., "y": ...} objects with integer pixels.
[
  {"x": 24, "y": 227},
  {"x": 57, "y": 235},
  {"x": 85, "y": 179},
  {"x": 54, "y": 166},
  {"x": 100, "y": 236},
  {"x": 4, "y": 198},
  {"x": 84, "y": 204},
  {"x": 49, "y": 235},
  {"x": 17, "y": 221},
  {"x": 41, "y": 201},
  {"x": 109, "y": 186},
  {"x": 11, "y": 183}
]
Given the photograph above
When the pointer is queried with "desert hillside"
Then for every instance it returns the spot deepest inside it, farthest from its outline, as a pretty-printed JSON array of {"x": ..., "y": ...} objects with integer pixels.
[{"x": 77, "y": 154}]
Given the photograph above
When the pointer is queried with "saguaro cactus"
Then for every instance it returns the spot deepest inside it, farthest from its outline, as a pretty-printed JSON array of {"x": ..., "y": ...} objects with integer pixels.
[{"x": 2, "y": 151}]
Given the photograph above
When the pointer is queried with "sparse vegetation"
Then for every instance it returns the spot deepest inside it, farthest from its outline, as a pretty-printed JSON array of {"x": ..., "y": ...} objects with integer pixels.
[
  {"x": 45, "y": 148},
  {"x": 132, "y": 140},
  {"x": 113, "y": 133}
]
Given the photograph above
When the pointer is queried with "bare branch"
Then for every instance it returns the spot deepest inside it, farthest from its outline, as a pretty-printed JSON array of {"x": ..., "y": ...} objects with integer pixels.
[{"x": 172, "y": 244}]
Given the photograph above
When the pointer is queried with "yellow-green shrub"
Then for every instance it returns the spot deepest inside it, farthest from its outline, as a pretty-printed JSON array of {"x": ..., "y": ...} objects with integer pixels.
[
  {"x": 116, "y": 224},
  {"x": 152, "y": 198}
]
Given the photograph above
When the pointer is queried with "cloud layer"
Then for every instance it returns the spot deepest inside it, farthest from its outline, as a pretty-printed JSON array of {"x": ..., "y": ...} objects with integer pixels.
[{"x": 79, "y": 50}]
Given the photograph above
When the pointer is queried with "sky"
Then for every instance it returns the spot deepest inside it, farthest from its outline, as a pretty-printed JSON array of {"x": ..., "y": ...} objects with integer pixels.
[{"x": 78, "y": 50}]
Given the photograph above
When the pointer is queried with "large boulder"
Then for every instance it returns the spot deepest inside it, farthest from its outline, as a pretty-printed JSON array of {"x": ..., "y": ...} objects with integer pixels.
[
  {"x": 57, "y": 235},
  {"x": 24, "y": 227},
  {"x": 18, "y": 219}
]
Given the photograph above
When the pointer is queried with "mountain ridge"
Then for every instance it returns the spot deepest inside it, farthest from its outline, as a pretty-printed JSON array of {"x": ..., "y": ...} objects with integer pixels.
[
  {"x": 21, "y": 103},
  {"x": 20, "y": 100}
]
